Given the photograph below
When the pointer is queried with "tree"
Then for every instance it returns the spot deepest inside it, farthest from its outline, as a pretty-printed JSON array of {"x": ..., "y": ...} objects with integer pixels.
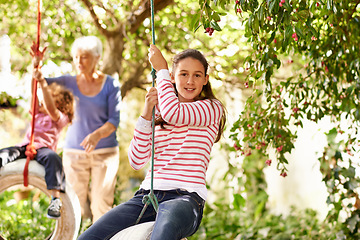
[
  {"x": 323, "y": 36},
  {"x": 320, "y": 38}
]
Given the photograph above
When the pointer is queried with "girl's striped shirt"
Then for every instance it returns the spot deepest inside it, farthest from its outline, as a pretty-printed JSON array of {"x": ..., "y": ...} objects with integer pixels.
[{"x": 182, "y": 149}]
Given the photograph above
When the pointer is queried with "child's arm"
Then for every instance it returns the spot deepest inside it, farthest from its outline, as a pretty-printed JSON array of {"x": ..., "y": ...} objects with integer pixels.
[
  {"x": 32, "y": 98},
  {"x": 156, "y": 58},
  {"x": 37, "y": 57},
  {"x": 49, "y": 103}
]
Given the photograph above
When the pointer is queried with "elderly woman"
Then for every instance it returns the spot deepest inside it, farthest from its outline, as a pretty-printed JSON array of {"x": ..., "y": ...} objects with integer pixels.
[{"x": 91, "y": 154}]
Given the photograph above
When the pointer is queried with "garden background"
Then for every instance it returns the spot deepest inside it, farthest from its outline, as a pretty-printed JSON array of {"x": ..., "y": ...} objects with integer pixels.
[{"x": 287, "y": 71}]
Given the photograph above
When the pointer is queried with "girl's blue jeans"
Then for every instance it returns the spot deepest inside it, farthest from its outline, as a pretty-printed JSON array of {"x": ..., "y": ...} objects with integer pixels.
[{"x": 179, "y": 215}]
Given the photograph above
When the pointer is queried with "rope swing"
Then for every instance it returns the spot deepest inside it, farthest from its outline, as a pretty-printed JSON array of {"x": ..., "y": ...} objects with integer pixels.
[
  {"x": 30, "y": 148},
  {"x": 151, "y": 198}
]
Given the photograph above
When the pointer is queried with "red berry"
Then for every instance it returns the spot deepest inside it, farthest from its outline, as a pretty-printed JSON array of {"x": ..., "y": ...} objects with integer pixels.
[
  {"x": 237, "y": 148},
  {"x": 280, "y": 4},
  {"x": 268, "y": 162},
  {"x": 248, "y": 153}
]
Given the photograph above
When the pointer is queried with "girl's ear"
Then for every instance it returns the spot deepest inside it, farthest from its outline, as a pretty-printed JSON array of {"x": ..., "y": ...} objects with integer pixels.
[
  {"x": 172, "y": 78},
  {"x": 206, "y": 79}
]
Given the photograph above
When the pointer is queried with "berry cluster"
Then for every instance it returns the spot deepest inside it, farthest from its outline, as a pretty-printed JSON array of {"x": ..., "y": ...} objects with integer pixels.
[
  {"x": 209, "y": 30},
  {"x": 295, "y": 37},
  {"x": 281, "y": 3},
  {"x": 238, "y": 9}
]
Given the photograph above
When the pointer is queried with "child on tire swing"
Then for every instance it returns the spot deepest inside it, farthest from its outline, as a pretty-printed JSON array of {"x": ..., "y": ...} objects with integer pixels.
[
  {"x": 51, "y": 116},
  {"x": 189, "y": 121}
]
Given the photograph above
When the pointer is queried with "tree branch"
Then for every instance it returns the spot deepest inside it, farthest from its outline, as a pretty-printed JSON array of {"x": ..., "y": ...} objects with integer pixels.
[
  {"x": 90, "y": 7},
  {"x": 135, "y": 80},
  {"x": 143, "y": 12}
]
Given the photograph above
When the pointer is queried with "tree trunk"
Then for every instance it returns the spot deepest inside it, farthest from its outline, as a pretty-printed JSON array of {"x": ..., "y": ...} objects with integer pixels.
[{"x": 113, "y": 51}]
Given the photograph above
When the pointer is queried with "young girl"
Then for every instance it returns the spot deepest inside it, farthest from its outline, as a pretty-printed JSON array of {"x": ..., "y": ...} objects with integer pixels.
[
  {"x": 190, "y": 120},
  {"x": 52, "y": 115}
]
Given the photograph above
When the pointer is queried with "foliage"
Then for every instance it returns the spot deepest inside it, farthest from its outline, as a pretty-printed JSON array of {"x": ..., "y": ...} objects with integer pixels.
[
  {"x": 25, "y": 219},
  {"x": 223, "y": 223},
  {"x": 326, "y": 35},
  {"x": 7, "y": 101},
  {"x": 245, "y": 216},
  {"x": 320, "y": 39},
  {"x": 342, "y": 183}
]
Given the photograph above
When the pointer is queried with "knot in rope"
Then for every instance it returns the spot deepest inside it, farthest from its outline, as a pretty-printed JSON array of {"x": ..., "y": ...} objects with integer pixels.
[
  {"x": 30, "y": 151},
  {"x": 30, "y": 154},
  {"x": 151, "y": 198},
  {"x": 147, "y": 200}
]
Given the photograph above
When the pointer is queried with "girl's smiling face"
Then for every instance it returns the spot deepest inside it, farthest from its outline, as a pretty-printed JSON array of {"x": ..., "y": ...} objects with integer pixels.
[{"x": 189, "y": 78}]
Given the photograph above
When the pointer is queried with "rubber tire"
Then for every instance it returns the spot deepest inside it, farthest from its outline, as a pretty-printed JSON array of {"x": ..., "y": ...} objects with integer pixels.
[
  {"x": 140, "y": 231},
  {"x": 67, "y": 226}
]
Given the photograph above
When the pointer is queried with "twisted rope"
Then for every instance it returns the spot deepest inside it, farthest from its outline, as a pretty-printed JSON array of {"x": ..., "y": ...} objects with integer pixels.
[
  {"x": 30, "y": 148},
  {"x": 151, "y": 198}
]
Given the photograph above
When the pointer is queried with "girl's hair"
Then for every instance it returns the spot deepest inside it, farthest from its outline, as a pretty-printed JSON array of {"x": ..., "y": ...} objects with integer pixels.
[
  {"x": 64, "y": 100},
  {"x": 90, "y": 44},
  {"x": 206, "y": 92}
]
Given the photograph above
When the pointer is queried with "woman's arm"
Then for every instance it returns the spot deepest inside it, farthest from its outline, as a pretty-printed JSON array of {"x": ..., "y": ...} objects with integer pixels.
[
  {"x": 113, "y": 107},
  {"x": 91, "y": 140}
]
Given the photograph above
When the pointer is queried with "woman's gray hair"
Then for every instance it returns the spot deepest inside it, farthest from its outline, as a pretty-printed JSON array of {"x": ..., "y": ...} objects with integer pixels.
[{"x": 90, "y": 44}]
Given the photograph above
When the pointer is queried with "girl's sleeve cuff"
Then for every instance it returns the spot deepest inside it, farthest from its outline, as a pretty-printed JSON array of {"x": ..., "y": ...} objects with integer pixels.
[
  {"x": 143, "y": 125},
  {"x": 162, "y": 75}
]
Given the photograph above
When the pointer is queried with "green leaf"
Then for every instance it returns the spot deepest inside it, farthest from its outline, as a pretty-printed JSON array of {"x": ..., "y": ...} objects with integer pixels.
[
  {"x": 195, "y": 22},
  {"x": 353, "y": 222},
  {"x": 239, "y": 201},
  {"x": 215, "y": 26}
]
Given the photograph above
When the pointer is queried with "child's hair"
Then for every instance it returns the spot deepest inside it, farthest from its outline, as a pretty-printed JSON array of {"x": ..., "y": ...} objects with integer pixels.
[
  {"x": 206, "y": 92},
  {"x": 64, "y": 100}
]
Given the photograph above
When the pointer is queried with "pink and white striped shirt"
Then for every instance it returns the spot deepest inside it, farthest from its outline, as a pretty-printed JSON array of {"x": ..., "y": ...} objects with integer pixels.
[{"x": 182, "y": 149}]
